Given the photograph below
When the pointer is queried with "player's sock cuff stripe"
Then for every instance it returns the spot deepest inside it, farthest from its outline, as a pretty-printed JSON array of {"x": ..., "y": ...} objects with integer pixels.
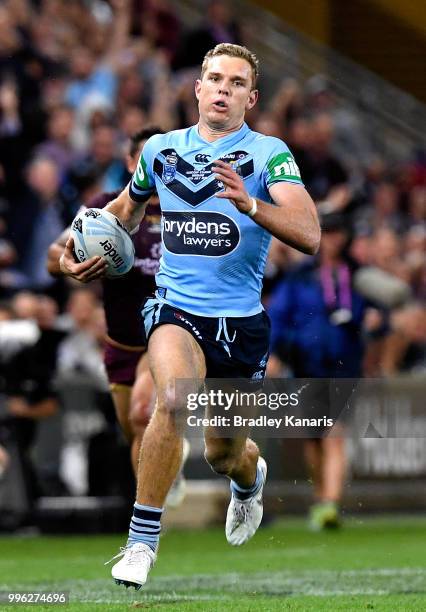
[
  {"x": 139, "y": 521},
  {"x": 242, "y": 493},
  {"x": 145, "y": 529},
  {"x": 147, "y": 513}
]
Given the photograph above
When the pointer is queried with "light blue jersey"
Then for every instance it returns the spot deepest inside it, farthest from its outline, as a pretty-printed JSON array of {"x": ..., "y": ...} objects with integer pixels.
[{"x": 213, "y": 255}]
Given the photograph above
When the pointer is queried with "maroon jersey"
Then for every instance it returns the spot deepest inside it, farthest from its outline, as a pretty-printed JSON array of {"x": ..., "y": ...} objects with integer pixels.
[{"x": 123, "y": 296}]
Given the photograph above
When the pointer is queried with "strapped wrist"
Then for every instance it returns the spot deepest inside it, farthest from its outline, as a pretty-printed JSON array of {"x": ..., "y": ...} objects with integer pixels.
[{"x": 253, "y": 209}]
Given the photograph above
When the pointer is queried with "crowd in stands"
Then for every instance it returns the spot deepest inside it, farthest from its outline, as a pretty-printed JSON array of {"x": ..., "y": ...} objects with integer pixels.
[{"x": 78, "y": 78}]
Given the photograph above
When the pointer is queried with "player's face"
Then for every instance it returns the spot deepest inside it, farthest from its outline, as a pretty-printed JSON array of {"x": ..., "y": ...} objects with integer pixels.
[{"x": 225, "y": 92}]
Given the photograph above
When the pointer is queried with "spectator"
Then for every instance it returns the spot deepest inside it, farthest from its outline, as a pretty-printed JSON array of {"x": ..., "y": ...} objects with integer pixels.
[
  {"x": 93, "y": 76},
  {"x": 405, "y": 348},
  {"x": 317, "y": 330},
  {"x": 324, "y": 176},
  {"x": 80, "y": 353},
  {"x": 37, "y": 218},
  {"x": 219, "y": 26},
  {"x": 387, "y": 254},
  {"x": 160, "y": 25},
  {"x": 105, "y": 158},
  {"x": 383, "y": 210},
  {"x": 351, "y": 144},
  {"x": 4, "y": 461},
  {"x": 31, "y": 391},
  {"x": 58, "y": 146}
]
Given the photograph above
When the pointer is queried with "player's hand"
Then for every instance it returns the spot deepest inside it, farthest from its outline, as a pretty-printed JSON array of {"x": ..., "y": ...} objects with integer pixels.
[
  {"x": 234, "y": 186},
  {"x": 87, "y": 271}
]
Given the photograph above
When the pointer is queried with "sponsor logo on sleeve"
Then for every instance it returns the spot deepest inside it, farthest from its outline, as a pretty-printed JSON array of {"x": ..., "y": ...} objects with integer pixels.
[
  {"x": 207, "y": 234},
  {"x": 283, "y": 167},
  {"x": 141, "y": 177}
]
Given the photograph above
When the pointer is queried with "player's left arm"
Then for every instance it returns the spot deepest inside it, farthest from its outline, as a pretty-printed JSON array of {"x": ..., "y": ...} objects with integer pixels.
[{"x": 293, "y": 219}]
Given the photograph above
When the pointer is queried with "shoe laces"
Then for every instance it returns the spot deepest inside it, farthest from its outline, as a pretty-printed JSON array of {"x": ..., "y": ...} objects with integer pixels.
[
  {"x": 135, "y": 554},
  {"x": 242, "y": 510},
  {"x": 123, "y": 549}
]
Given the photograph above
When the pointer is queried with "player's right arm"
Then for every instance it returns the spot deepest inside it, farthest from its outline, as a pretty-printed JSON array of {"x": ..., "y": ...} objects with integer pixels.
[
  {"x": 131, "y": 204},
  {"x": 127, "y": 209},
  {"x": 60, "y": 257},
  {"x": 61, "y": 261}
]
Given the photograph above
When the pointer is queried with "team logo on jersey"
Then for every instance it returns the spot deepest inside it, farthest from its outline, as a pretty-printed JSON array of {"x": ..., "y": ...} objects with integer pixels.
[
  {"x": 202, "y": 158},
  {"x": 206, "y": 234},
  {"x": 169, "y": 168}
]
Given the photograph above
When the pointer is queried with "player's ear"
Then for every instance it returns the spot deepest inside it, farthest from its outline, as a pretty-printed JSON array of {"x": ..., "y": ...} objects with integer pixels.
[
  {"x": 131, "y": 163},
  {"x": 252, "y": 99},
  {"x": 197, "y": 88}
]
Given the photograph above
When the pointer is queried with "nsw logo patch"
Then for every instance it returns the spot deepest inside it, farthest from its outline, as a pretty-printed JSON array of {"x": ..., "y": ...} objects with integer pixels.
[{"x": 169, "y": 168}]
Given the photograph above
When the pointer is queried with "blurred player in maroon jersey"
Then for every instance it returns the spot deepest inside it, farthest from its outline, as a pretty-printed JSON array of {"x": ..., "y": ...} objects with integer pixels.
[{"x": 131, "y": 384}]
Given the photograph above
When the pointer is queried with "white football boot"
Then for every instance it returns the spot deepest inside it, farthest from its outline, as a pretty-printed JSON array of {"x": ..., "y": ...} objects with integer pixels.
[
  {"x": 244, "y": 516},
  {"x": 132, "y": 570}
]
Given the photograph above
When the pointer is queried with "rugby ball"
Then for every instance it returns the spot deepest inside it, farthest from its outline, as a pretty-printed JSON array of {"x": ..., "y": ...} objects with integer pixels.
[{"x": 98, "y": 232}]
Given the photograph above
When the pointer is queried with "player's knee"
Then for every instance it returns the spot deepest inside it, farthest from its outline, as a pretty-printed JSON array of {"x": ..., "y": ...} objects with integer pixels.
[
  {"x": 171, "y": 402},
  {"x": 139, "y": 417},
  {"x": 221, "y": 460}
]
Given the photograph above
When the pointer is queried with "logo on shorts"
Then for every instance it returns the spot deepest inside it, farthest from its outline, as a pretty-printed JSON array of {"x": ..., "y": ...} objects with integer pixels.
[
  {"x": 207, "y": 234},
  {"x": 169, "y": 168},
  {"x": 258, "y": 375},
  {"x": 264, "y": 361},
  {"x": 181, "y": 317}
]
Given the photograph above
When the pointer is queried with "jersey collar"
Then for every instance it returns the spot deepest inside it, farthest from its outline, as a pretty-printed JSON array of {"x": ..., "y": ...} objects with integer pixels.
[{"x": 231, "y": 138}]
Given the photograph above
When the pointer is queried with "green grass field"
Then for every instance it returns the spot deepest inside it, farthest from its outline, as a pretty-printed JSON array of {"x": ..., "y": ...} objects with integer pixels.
[{"x": 371, "y": 564}]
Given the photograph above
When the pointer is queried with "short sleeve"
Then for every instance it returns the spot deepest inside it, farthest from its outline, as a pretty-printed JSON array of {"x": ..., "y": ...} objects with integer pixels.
[
  {"x": 142, "y": 184},
  {"x": 280, "y": 165}
]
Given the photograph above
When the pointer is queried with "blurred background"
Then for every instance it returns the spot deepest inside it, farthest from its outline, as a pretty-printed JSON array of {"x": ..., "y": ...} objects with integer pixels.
[{"x": 343, "y": 85}]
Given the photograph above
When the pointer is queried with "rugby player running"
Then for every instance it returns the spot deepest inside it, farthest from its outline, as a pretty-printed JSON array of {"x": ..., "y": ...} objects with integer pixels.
[{"x": 223, "y": 191}]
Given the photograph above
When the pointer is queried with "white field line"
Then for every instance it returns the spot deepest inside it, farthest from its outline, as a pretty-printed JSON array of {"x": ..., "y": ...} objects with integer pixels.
[{"x": 377, "y": 581}]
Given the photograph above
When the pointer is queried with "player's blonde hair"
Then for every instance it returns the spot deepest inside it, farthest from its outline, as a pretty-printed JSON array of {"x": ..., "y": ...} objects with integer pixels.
[{"x": 233, "y": 51}]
